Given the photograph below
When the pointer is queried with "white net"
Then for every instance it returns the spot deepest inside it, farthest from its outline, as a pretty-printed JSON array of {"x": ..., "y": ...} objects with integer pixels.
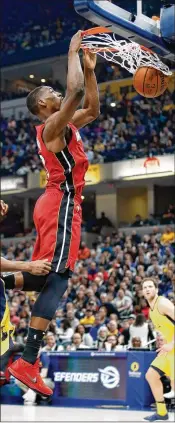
[{"x": 129, "y": 55}]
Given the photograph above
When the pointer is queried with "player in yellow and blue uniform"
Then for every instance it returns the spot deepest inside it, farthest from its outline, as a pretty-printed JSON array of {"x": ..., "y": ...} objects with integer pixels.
[
  {"x": 162, "y": 314},
  {"x": 39, "y": 267},
  {"x": 6, "y": 326}
]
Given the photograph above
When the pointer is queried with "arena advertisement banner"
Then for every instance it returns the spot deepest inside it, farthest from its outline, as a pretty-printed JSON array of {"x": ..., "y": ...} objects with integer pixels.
[
  {"x": 93, "y": 379},
  {"x": 125, "y": 86},
  {"x": 138, "y": 390},
  {"x": 11, "y": 183},
  {"x": 151, "y": 167},
  {"x": 42, "y": 179},
  {"x": 89, "y": 376},
  {"x": 92, "y": 176}
]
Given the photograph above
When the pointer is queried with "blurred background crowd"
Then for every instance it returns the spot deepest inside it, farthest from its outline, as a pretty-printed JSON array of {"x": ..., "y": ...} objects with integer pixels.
[
  {"x": 41, "y": 26},
  {"x": 103, "y": 307},
  {"x": 126, "y": 129}
]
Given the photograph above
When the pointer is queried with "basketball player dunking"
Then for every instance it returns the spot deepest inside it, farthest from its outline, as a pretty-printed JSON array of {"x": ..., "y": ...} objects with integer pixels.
[
  {"x": 57, "y": 213},
  {"x": 162, "y": 314}
]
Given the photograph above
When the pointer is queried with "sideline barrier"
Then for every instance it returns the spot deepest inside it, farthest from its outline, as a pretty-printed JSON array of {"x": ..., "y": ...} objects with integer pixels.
[{"x": 93, "y": 378}]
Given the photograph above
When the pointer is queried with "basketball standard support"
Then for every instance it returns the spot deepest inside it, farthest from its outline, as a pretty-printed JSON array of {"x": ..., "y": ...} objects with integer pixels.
[
  {"x": 139, "y": 7},
  {"x": 139, "y": 29}
]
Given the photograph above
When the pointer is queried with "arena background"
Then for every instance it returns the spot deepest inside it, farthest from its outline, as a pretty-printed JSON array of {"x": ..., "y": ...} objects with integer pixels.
[{"x": 128, "y": 202}]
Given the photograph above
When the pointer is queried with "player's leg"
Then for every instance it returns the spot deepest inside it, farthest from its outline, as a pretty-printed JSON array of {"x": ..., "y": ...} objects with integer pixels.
[
  {"x": 7, "y": 359},
  {"x": 25, "y": 282},
  {"x": 6, "y": 331},
  {"x": 153, "y": 377},
  {"x": 44, "y": 310},
  {"x": 171, "y": 359},
  {"x": 26, "y": 369},
  {"x": 54, "y": 243},
  {"x": 6, "y": 328}
]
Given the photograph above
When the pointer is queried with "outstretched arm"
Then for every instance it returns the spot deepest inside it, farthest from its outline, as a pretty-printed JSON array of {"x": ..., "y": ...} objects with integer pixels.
[
  {"x": 55, "y": 125},
  {"x": 38, "y": 267},
  {"x": 91, "y": 106}
]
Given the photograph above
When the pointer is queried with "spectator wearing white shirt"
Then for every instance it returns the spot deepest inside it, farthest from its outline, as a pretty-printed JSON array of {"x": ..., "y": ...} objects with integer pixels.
[
  {"x": 65, "y": 332},
  {"x": 72, "y": 319},
  {"x": 87, "y": 339},
  {"x": 111, "y": 343},
  {"x": 51, "y": 344},
  {"x": 123, "y": 304},
  {"x": 127, "y": 292},
  {"x": 165, "y": 134},
  {"x": 140, "y": 329},
  {"x": 22, "y": 137},
  {"x": 77, "y": 343},
  {"x": 101, "y": 337},
  {"x": 155, "y": 268}
]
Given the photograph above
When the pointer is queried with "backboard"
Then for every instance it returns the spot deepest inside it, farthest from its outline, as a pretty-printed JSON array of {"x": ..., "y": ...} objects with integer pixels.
[{"x": 130, "y": 23}]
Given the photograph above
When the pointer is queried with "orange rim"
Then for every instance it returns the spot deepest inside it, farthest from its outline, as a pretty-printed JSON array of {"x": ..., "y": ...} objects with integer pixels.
[
  {"x": 147, "y": 49},
  {"x": 103, "y": 29},
  {"x": 96, "y": 30}
]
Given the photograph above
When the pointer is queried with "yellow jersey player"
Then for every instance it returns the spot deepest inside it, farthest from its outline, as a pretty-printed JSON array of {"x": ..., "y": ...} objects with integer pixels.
[
  {"x": 39, "y": 267},
  {"x": 162, "y": 314}
]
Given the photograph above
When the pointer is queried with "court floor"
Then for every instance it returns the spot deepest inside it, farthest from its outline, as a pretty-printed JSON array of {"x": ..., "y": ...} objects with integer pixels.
[{"x": 23, "y": 413}]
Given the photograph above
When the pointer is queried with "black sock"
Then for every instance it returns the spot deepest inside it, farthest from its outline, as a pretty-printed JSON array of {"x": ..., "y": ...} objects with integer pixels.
[
  {"x": 44, "y": 308},
  {"x": 33, "y": 344}
]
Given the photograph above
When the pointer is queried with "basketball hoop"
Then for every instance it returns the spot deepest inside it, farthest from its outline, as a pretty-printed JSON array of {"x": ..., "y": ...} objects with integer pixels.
[{"x": 129, "y": 55}]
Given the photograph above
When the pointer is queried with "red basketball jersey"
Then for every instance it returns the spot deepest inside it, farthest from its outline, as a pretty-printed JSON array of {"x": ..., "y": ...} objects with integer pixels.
[{"x": 66, "y": 169}]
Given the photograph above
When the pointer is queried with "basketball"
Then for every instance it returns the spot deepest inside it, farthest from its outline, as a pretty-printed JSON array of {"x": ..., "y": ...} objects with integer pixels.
[{"x": 150, "y": 82}]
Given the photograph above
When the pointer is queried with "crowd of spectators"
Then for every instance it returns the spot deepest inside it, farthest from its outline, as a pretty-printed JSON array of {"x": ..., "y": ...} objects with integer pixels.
[
  {"x": 104, "y": 72},
  {"x": 132, "y": 129},
  {"x": 40, "y": 25},
  {"x": 22, "y": 92},
  {"x": 103, "y": 307},
  {"x": 168, "y": 216}
]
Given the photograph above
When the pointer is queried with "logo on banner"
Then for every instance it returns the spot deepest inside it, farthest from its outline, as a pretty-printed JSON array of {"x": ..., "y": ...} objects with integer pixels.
[
  {"x": 135, "y": 366},
  {"x": 134, "y": 370},
  {"x": 106, "y": 354},
  {"x": 110, "y": 377},
  {"x": 151, "y": 161}
]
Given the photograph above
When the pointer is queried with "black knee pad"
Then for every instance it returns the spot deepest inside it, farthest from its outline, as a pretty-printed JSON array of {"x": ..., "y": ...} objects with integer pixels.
[
  {"x": 33, "y": 282},
  {"x": 9, "y": 281},
  {"x": 49, "y": 298},
  {"x": 166, "y": 384}
]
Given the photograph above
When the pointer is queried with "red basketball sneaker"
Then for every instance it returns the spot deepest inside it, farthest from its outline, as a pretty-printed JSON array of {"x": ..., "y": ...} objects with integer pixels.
[{"x": 29, "y": 375}]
